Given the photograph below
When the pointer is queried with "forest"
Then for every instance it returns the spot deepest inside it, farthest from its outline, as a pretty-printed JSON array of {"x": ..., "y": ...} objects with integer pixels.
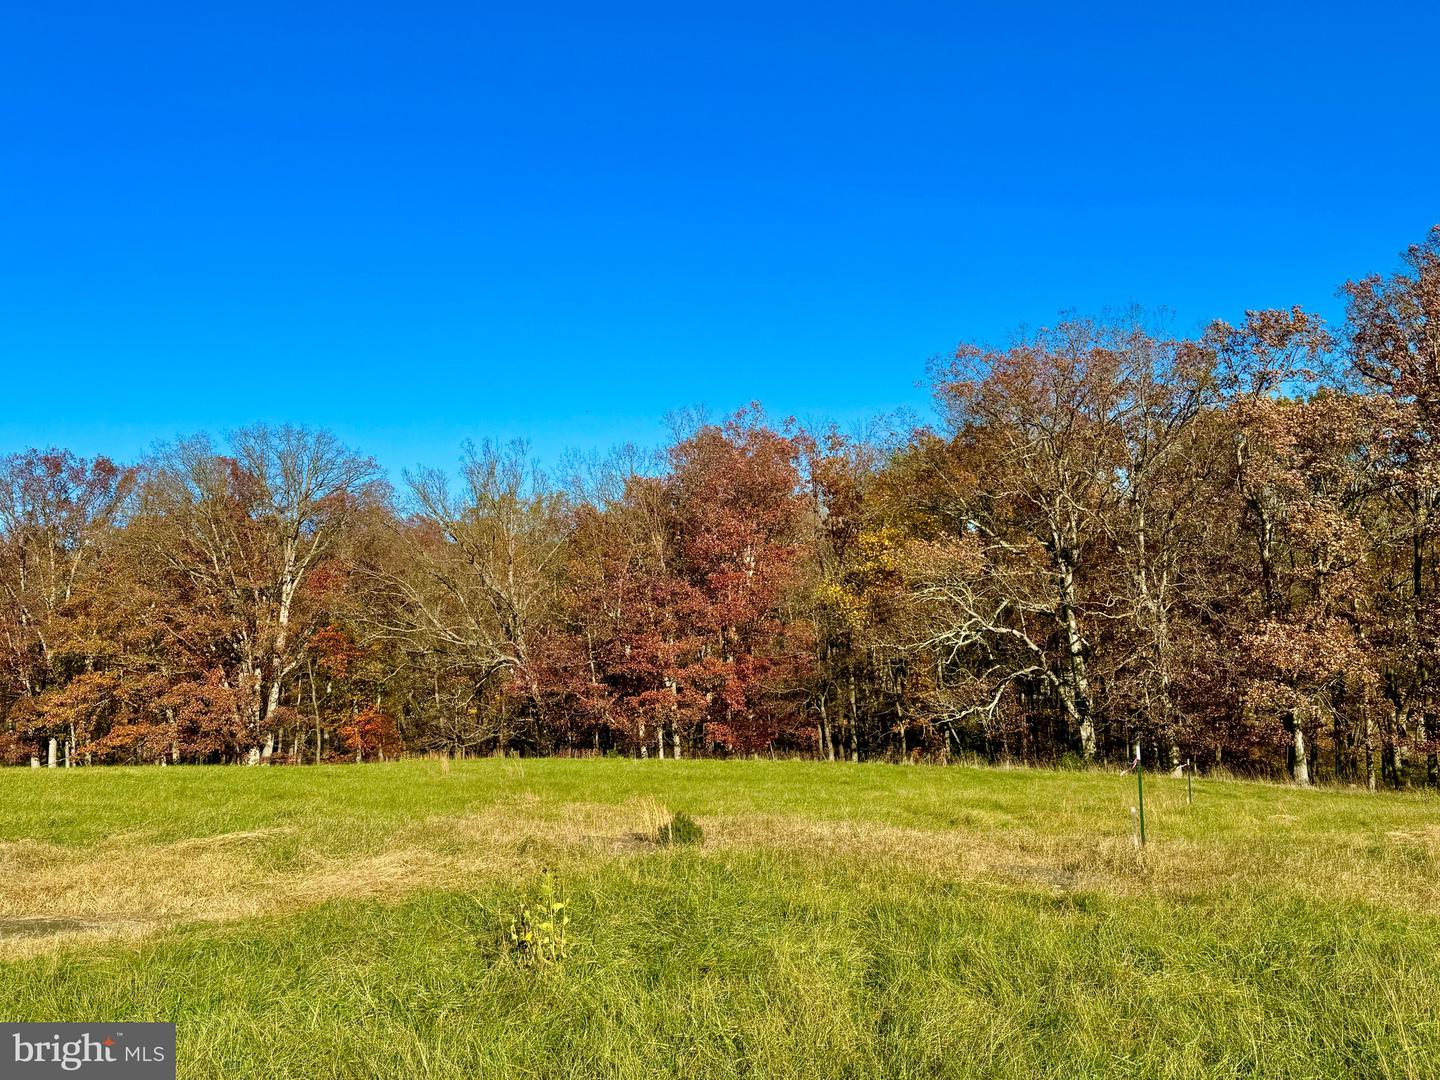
[{"x": 1218, "y": 548}]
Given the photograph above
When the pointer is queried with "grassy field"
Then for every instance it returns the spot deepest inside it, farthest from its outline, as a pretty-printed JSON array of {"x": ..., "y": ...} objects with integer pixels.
[{"x": 837, "y": 921}]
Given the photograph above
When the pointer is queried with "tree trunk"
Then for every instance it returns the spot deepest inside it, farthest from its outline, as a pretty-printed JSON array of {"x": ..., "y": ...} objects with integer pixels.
[
  {"x": 1075, "y": 687},
  {"x": 1397, "y": 750},
  {"x": 827, "y": 737},
  {"x": 854, "y": 721},
  {"x": 1369, "y": 751},
  {"x": 1432, "y": 760},
  {"x": 315, "y": 707},
  {"x": 1300, "y": 759}
]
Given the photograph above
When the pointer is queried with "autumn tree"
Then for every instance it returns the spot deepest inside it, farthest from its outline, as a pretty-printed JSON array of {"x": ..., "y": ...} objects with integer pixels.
[
  {"x": 682, "y": 619},
  {"x": 234, "y": 548},
  {"x": 1392, "y": 340},
  {"x": 1221, "y": 548},
  {"x": 1041, "y": 436},
  {"x": 474, "y": 585},
  {"x": 58, "y": 515},
  {"x": 845, "y": 545}
]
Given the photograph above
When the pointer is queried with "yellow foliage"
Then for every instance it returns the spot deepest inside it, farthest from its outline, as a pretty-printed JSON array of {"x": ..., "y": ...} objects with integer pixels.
[{"x": 845, "y": 605}]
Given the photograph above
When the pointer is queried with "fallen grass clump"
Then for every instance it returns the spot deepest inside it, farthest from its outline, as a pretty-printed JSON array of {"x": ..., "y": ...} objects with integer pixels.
[{"x": 680, "y": 831}]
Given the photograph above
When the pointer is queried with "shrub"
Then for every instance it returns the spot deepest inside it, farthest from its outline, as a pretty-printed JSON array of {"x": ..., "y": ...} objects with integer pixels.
[
  {"x": 539, "y": 934},
  {"x": 15, "y": 750},
  {"x": 680, "y": 829}
]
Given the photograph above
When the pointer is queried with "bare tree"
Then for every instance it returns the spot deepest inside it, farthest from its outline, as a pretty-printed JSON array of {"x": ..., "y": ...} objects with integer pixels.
[
  {"x": 236, "y": 537},
  {"x": 478, "y": 574}
]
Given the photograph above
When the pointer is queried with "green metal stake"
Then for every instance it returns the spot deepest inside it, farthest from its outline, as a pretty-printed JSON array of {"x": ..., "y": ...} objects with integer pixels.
[{"x": 1140, "y": 787}]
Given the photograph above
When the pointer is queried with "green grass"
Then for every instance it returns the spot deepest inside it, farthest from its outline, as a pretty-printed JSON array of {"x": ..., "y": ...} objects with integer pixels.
[{"x": 836, "y": 921}]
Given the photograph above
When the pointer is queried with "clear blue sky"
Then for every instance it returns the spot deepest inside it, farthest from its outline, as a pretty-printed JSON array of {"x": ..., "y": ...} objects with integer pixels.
[{"x": 417, "y": 223}]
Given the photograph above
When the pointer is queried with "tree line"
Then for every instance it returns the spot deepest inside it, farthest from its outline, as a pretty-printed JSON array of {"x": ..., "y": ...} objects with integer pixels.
[{"x": 1219, "y": 547}]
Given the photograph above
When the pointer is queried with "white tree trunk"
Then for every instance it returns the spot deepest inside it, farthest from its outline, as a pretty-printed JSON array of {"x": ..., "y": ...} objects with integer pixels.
[
  {"x": 1301, "y": 766},
  {"x": 1075, "y": 691},
  {"x": 1369, "y": 752}
]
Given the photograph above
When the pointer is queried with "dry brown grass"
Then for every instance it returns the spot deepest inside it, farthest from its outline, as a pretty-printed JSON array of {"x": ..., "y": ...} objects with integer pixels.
[{"x": 132, "y": 886}]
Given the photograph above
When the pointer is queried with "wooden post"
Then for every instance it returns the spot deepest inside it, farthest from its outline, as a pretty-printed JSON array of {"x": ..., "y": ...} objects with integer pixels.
[{"x": 1140, "y": 789}]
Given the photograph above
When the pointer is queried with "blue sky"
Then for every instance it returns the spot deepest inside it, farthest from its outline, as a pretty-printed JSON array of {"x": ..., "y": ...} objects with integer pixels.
[{"x": 420, "y": 223}]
